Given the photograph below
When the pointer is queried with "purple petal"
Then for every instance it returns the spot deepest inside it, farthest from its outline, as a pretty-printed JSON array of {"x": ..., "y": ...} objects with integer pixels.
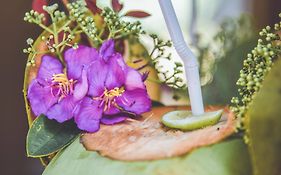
[
  {"x": 76, "y": 59},
  {"x": 88, "y": 115},
  {"x": 118, "y": 58},
  {"x": 116, "y": 72},
  {"x": 133, "y": 80},
  {"x": 136, "y": 101},
  {"x": 40, "y": 97},
  {"x": 97, "y": 73},
  {"x": 81, "y": 88},
  {"x": 111, "y": 111},
  {"x": 113, "y": 119},
  {"x": 107, "y": 49},
  {"x": 49, "y": 66},
  {"x": 63, "y": 110}
]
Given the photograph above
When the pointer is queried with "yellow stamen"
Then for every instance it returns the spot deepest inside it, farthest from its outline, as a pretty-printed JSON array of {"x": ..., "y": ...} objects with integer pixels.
[
  {"x": 116, "y": 92},
  {"x": 60, "y": 78},
  {"x": 108, "y": 97},
  {"x": 63, "y": 83}
]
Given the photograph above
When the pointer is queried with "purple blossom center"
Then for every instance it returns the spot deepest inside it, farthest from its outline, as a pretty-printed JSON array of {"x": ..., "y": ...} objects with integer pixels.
[
  {"x": 108, "y": 98},
  {"x": 61, "y": 86}
]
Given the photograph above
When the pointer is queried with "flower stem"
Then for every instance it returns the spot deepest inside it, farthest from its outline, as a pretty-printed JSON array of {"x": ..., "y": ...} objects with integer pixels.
[{"x": 45, "y": 28}]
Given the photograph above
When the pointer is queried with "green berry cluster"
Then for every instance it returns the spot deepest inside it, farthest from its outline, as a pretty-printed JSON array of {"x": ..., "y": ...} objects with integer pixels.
[
  {"x": 78, "y": 12},
  {"x": 55, "y": 14},
  {"x": 119, "y": 28},
  {"x": 257, "y": 64},
  {"x": 114, "y": 27},
  {"x": 172, "y": 78},
  {"x": 57, "y": 36},
  {"x": 39, "y": 18},
  {"x": 67, "y": 39},
  {"x": 34, "y": 17},
  {"x": 30, "y": 50}
]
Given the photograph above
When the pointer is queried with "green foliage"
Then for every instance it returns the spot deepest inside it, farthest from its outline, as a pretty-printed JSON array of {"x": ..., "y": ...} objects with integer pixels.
[
  {"x": 113, "y": 23},
  {"x": 46, "y": 136},
  {"x": 226, "y": 158},
  {"x": 263, "y": 125},
  {"x": 80, "y": 20},
  {"x": 80, "y": 13},
  {"x": 60, "y": 26},
  {"x": 255, "y": 67},
  {"x": 119, "y": 28}
]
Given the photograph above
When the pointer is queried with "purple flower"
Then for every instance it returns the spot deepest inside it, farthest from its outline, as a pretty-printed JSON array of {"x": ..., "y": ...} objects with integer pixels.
[
  {"x": 115, "y": 90},
  {"x": 55, "y": 92}
]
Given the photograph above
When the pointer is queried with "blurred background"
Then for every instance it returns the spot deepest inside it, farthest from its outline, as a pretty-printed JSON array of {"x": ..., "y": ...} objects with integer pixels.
[{"x": 201, "y": 20}]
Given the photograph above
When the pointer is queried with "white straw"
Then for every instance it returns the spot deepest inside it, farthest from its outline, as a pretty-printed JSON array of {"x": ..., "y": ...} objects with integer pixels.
[{"x": 188, "y": 58}]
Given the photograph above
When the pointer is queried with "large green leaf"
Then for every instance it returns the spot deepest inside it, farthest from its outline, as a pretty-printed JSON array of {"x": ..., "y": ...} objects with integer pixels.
[
  {"x": 264, "y": 125},
  {"x": 48, "y": 136},
  {"x": 226, "y": 158}
]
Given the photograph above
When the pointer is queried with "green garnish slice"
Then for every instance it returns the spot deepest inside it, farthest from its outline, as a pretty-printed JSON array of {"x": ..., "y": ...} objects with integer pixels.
[{"x": 184, "y": 120}]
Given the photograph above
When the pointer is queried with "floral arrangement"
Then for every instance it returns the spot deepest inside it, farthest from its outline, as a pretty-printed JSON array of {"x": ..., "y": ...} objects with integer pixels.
[
  {"x": 76, "y": 73},
  {"x": 88, "y": 89},
  {"x": 97, "y": 87},
  {"x": 66, "y": 76}
]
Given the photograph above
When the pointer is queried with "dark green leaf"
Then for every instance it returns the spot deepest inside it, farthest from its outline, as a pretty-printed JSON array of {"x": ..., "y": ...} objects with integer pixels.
[
  {"x": 226, "y": 158},
  {"x": 48, "y": 136}
]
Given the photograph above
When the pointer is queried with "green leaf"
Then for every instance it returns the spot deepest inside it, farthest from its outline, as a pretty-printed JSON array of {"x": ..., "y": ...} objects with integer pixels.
[
  {"x": 263, "y": 125},
  {"x": 47, "y": 136},
  {"x": 226, "y": 158}
]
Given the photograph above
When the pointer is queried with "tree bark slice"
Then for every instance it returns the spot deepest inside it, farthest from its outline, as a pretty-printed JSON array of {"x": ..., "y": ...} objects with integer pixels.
[{"x": 148, "y": 139}]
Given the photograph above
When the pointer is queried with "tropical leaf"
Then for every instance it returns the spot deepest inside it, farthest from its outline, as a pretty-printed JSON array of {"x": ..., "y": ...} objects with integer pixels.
[
  {"x": 116, "y": 5},
  {"x": 137, "y": 14},
  {"x": 92, "y": 5},
  {"x": 47, "y": 136},
  {"x": 227, "y": 158},
  {"x": 264, "y": 125}
]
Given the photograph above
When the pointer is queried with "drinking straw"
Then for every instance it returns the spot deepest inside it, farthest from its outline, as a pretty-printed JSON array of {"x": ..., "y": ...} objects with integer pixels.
[{"x": 188, "y": 58}]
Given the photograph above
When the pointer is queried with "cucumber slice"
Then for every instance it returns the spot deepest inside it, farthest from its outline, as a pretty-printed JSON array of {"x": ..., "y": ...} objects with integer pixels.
[{"x": 184, "y": 120}]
